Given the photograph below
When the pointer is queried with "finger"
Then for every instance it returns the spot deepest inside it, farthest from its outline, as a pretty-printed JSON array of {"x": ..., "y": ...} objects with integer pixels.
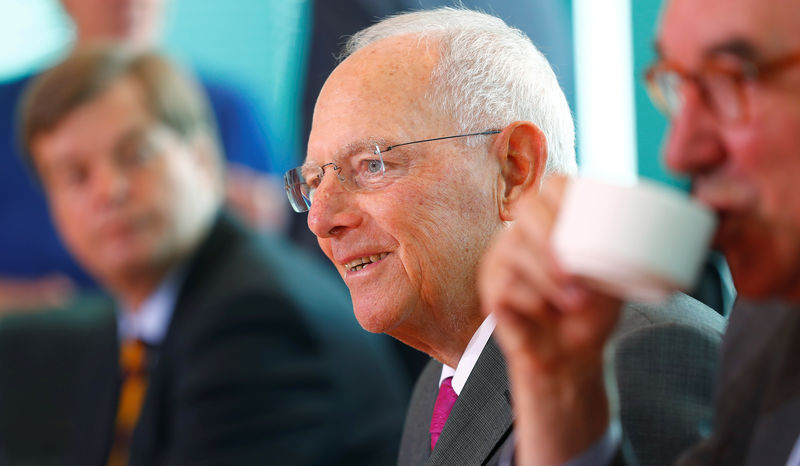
[
  {"x": 517, "y": 334},
  {"x": 536, "y": 272},
  {"x": 589, "y": 330},
  {"x": 520, "y": 297},
  {"x": 535, "y": 222}
]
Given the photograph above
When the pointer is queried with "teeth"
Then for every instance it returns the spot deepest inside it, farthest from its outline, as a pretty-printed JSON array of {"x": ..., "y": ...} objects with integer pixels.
[{"x": 361, "y": 262}]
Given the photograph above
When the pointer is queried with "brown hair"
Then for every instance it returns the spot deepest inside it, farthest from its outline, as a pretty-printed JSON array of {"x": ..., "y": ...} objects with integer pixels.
[{"x": 171, "y": 96}]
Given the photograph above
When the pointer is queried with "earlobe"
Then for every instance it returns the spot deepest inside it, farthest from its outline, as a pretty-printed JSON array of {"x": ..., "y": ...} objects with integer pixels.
[{"x": 523, "y": 156}]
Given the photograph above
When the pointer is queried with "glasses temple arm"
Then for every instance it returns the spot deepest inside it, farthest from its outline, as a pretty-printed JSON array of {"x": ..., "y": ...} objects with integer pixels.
[{"x": 482, "y": 133}]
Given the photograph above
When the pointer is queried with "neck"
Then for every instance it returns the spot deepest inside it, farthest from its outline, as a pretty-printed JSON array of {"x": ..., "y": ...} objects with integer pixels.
[
  {"x": 135, "y": 287},
  {"x": 445, "y": 342}
]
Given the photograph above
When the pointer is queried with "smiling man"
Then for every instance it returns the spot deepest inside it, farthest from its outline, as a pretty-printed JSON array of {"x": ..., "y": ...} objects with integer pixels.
[
  {"x": 422, "y": 141},
  {"x": 728, "y": 77}
]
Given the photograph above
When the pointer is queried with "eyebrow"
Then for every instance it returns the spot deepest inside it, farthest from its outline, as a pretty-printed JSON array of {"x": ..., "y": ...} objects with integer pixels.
[
  {"x": 131, "y": 135},
  {"x": 736, "y": 46},
  {"x": 61, "y": 165}
]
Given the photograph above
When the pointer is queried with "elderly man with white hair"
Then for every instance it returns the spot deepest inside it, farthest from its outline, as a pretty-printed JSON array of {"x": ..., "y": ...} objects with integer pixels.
[{"x": 423, "y": 139}]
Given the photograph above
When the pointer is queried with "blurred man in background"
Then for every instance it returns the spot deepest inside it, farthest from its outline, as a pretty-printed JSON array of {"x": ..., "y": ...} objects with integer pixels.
[
  {"x": 728, "y": 76},
  {"x": 423, "y": 140},
  {"x": 233, "y": 349},
  {"x": 35, "y": 269}
]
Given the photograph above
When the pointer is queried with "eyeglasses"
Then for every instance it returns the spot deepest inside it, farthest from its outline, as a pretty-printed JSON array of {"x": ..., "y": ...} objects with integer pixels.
[
  {"x": 720, "y": 82},
  {"x": 368, "y": 169}
]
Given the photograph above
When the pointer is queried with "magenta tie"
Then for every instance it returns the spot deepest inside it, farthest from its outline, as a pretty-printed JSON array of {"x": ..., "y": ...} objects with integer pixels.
[{"x": 441, "y": 409}]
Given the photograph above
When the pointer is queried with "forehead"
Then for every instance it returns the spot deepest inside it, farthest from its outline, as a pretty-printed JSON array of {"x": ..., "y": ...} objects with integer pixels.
[
  {"x": 98, "y": 123},
  {"x": 691, "y": 29},
  {"x": 376, "y": 94}
]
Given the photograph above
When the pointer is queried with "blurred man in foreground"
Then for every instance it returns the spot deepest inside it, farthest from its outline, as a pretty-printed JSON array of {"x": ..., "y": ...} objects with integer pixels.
[
  {"x": 234, "y": 349},
  {"x": 423, "y": 140},
  {"x": 728, "y": 76}
]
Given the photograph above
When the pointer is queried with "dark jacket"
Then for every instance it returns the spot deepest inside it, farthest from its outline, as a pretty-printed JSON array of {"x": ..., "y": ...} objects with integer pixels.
[{"x": 263, "y": 363}]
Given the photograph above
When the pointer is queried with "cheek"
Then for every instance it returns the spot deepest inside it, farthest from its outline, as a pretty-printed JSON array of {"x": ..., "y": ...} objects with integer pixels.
[
  {"x": 176, "y": 192},
  {"x": 72, "y": 219},
  {"x": 767, "y": 156},
  {"x": 443, "y": 228}
]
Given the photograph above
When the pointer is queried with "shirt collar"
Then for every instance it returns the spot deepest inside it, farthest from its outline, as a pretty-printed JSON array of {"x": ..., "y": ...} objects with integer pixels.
[
  {"x": 150, "y": 321},
  {"x": 470, "y": 356}
]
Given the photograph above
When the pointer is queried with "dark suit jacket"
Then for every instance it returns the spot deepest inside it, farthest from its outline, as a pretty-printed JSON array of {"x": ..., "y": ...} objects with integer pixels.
[
  {"x": 665, "y": 362},
  {"x": 58, "y": 374},
  {"x": 263, "y": 363},
  {"x": 757, "y": 417}
]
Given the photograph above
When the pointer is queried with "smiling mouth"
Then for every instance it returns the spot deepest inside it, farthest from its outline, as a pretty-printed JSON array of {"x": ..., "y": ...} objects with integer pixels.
[{"x": 358, "y": 264}]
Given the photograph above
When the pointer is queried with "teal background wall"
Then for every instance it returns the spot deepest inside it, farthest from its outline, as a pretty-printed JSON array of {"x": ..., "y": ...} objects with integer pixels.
[
  {"x": 259, "y": 45},
  {"x": 651, "y": 124}
]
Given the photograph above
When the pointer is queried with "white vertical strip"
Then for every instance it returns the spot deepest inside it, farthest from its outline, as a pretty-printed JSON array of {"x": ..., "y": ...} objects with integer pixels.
[{"x": 606, "y": 124}]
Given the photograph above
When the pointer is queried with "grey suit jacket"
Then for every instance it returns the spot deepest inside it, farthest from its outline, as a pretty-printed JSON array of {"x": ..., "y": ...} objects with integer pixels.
[
  {"x": 757, "y": 417},
  {"x": 479, "y": 424},
  {"x": 665, "y": 362}
]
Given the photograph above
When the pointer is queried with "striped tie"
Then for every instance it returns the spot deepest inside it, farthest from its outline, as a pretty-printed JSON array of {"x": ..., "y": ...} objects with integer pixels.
[{"x": 133, "y": 364}]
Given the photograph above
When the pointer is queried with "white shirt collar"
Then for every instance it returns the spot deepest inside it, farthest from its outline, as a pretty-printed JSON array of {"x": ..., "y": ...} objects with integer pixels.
[
  {"x": 150, "y": 322},
  {"x": 470, "y": 356}
]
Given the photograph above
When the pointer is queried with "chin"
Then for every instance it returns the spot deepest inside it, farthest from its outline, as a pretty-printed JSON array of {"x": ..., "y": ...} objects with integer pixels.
[
  {"x": 763, "y": 259},
  {"x": 370, "y": 320},
  {"x": 377, "y": 316},
  {"x": 759, "y": 277}
]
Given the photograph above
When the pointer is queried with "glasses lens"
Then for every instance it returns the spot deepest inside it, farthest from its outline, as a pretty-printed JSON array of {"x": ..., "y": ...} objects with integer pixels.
[
  {"x": 297, "y": 190},
  {"x": 670, "y": 83},
  {"x": 724, "y": 95},
  {"x": 663, "y": 86},
  {"x": 720, "y": 89}
]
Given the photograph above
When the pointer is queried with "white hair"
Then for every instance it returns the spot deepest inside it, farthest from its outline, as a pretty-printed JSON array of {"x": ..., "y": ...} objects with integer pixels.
[{"x": 488, "y": 75}]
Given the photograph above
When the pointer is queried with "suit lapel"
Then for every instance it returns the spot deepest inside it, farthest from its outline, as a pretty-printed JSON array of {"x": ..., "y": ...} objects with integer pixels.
[
  {"x": 415, "y": 446},
  {"x": 777, "y": 427},
  {"x": 481, "y": 417},
  {"x": 152, "y": 430},
  {"x": 759, "y": 402}
]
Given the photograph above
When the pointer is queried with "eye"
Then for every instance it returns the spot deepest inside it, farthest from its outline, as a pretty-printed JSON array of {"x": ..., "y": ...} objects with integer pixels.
[
  {"x": 374, "y": 167},
  {"x": 368, "y": 167},
  {"x": 72, "y": 176},
  {"x": 312, "y": 181},
  {"x": 137, "y": 152}
]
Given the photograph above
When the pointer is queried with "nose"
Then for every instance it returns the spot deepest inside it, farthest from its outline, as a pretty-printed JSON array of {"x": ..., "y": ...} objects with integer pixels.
[
  {"x": 694, "y": 145},
  {"x": 110, "y": 185},
  {"x": 333, "y": 209}
]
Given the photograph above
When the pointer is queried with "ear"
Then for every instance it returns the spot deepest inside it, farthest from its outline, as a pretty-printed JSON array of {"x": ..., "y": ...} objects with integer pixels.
[{"x": 521, "y": 150}]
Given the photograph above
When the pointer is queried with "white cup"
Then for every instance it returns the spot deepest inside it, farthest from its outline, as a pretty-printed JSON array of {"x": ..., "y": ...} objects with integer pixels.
[{"x": 639, "y": 242}]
